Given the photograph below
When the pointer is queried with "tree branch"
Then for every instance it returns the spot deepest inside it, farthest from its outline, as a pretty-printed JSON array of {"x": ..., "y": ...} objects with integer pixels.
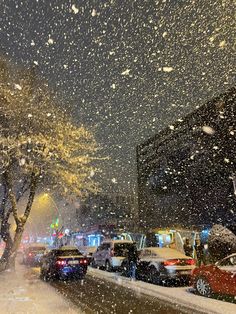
[{"x": 33, "y": 184}]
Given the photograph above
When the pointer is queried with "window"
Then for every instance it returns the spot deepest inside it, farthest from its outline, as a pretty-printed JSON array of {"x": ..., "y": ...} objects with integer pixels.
[
  {"x": 230, "y": 261},
  {"x": 67, "y": 252}
]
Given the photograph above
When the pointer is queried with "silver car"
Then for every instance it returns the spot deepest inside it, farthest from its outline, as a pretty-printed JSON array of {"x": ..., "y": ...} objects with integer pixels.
[
  {"x": 161, "y": 264},
  {"x": 110, "y": 254}
]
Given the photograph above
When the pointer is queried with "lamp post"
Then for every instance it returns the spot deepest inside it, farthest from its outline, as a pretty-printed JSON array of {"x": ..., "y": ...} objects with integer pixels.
[{"x": 55, "y": 224}]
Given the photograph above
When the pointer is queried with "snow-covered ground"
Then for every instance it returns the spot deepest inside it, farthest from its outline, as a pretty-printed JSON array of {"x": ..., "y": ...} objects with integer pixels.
[
  {"x": 22, "y": 292},
  {"x": 182, "y": 296}
]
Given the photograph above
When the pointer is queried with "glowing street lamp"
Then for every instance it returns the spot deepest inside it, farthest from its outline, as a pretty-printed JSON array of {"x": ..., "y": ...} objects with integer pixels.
[{"x": 55, "y": 222}]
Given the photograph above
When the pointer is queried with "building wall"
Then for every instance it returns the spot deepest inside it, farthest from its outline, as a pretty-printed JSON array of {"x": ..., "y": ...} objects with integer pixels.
[{"x": 184, "y": 171}]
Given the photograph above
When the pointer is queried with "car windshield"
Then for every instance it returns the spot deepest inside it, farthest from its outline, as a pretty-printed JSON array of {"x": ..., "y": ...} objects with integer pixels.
[
  {"x": 121, "y": 249},
  {"x": 68, "y": 252},
  {"x": 37, "y": 249}
]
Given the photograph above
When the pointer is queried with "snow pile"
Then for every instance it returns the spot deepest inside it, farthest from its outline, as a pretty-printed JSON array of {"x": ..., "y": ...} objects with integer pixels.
[
  {"x": 23, "y": 292},
  {"x": 222, "y": 242}
]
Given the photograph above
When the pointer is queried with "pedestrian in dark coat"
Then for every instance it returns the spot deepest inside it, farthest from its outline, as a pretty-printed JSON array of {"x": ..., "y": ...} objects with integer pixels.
[
  {"x": 188, "y": 249},
  {"x": 132, "y": 257}
]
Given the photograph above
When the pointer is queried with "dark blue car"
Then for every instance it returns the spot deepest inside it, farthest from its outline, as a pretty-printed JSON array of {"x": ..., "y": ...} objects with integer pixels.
[{"x": 64, "y": 263}]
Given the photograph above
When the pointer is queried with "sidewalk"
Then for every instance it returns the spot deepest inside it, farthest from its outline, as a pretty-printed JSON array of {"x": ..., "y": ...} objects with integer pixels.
[
  {"x": 180, "y": 296},
  {"x": 22, "y": 292}
]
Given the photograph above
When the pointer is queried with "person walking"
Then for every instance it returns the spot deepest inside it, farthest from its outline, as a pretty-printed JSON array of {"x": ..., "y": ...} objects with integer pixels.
[
  {"x": 199, "y": 249},
  {"x": 188, "y": 250},
  {"x": 132, "y": 257}
]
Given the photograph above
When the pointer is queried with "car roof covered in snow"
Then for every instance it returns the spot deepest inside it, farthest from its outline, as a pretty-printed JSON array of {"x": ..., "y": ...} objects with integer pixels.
[
  {"x": 36, "y": 245},
  {"x": 67, "y": 248},
  {"x": 118, "y": 241},
  {"x": 164, "y": 252}
]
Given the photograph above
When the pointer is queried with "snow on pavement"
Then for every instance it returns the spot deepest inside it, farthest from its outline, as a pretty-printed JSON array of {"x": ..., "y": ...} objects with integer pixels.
[
  {"x": 180, "y": 295},
  {"x": 22, "y": 292}
]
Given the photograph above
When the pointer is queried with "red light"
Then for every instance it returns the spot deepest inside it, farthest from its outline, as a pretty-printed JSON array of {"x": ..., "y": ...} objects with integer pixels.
[
  {"x": 30, "y": 254},
  {"x": 83, "y": 261},
  {"x": 191, "y": 261},
  {"x": 171, "y": 262},
  {"x": 61, "y": 263}
]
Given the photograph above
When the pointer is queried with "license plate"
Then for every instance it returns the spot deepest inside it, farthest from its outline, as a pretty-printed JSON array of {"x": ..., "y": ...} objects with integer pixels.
[
  {"x": 73, "y": 262},
  {"x": 184, "y": 272}
]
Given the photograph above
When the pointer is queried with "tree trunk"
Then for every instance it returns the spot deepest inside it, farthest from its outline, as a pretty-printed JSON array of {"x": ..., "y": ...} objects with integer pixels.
[
  {"x": 10, "y": 252},
  {"x": 4, "y": 262},
  {"x": 16, "y": 243}
]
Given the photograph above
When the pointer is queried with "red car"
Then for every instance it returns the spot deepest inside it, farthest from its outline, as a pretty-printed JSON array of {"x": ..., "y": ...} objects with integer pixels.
[{"x": 219, "y": 278}]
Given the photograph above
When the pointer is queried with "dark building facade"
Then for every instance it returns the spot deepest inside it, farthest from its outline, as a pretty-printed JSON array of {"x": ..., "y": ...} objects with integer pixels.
[
  {"x": 103, "y": 209},
  {"x": 186, "y": 172}
]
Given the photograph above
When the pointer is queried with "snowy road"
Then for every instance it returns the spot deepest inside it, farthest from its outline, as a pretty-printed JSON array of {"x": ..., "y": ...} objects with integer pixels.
[
  {"x": 103, "y": 292},
  {"x": 95, "y": 295}
]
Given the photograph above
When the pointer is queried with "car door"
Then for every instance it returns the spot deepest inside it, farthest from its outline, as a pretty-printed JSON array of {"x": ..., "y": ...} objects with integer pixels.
[
  {"x": 226, "y": 275},
  {"x": 105, "y": 253},
  {"x": 97, "y": 256}
]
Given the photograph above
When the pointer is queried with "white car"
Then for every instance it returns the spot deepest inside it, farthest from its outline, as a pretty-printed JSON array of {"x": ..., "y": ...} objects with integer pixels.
[
  {"x": 110, "y": 254},
  {"x": 160, "y": 264}
]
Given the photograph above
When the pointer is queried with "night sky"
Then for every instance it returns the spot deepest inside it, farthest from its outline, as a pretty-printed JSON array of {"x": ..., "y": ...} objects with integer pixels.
[{"x": 127, "y": 68}]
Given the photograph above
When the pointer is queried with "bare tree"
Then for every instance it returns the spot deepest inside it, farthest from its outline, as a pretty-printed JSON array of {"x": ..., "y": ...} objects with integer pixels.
[{"x": 39, "y": 145}]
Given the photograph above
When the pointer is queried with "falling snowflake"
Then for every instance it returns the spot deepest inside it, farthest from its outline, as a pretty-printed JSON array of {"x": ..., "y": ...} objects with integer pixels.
[
  {"x": 208, "y": 130},
  {"x": 92, "y": 173},
  {"x": 17, "y": 86},
  {"x": 94, "y": 12},
  {"x": 167, "y": 69},
  {"x": 222, "y": 44},
  {"x": 164, "y": 34},
  {"x": 74, "y": 9},
  {"x": 126, "y": 72},
  {"x": 22, "y": 162},
  {"x": 50, "y": 41},
  {"x": 114, "y": 180}
]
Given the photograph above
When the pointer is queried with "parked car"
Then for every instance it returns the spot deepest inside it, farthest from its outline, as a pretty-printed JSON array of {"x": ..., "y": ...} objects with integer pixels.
[
  {"x": 88, "y": 251},
  {"x": 33, "y": 253},
  {"x": 219, "y": 278},
  {"x": 110, "y": 254},
  {"x": 63, "y": 263},
  {"x": 162, "y": 264}
]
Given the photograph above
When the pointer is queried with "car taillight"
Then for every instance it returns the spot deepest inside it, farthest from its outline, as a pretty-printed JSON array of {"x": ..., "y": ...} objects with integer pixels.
[
  {"x": 83, "y": 261},
  {"x": 190, "y": 261},
  {"x": 61, "y": 263},
  {"x": 171, "y": 262}
]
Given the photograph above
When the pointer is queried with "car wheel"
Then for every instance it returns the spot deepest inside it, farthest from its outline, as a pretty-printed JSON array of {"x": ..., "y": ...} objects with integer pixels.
[
  {"x": 108, "y": 266},
  {"x": 203, "y": 287}
]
